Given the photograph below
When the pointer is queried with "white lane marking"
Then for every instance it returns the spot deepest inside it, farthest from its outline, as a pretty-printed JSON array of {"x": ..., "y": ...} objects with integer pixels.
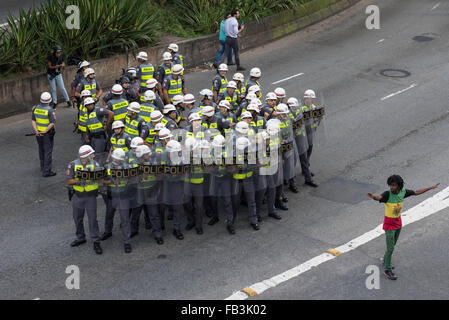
[
  {"x": 435, "y": 6},
  {"x": 432, "y": 205},
  {"x": 398, "y": 92},
  {"x": 381, "y": 40},
  {"x": 296, "y": 75},
  {"x": 37, "y": 299}
]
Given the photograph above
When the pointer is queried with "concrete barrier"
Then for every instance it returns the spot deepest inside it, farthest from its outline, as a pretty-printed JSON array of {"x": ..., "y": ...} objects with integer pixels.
[{"x": 19, "y": 94}]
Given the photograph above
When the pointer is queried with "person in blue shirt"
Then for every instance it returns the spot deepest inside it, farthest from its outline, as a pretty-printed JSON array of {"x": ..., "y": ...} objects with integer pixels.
[{"x": 222, "y": 39}]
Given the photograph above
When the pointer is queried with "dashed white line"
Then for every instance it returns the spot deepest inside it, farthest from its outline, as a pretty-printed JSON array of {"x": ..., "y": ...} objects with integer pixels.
[
  {"x": 398, "y": 92},
  {"x": 381, "y": 40},
  {"x": 435, "y": 6},
  {"x": 296, "y": 75},
  {"x": 426, "y": 208}
]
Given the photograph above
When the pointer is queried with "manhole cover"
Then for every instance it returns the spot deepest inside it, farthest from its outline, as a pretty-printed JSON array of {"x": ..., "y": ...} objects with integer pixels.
[
  {"x": 161, "y": 256},
  {"x": 343, "y": 190},
  {"x": 395, "y": 73},
  {"x": 423, "y": 38}
]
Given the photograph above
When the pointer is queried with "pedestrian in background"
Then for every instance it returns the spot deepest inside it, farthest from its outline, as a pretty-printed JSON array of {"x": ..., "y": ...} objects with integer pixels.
[
  {"x": 232, "y": 30},
  {"x": 55, "y": 64},
  {"x": 222, "y": 40}
]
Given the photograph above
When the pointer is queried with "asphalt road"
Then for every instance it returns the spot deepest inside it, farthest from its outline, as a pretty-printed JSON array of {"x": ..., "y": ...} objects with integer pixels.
[
  {"x": 13, "y": 7},
  {"x": 366, "y": 139}
]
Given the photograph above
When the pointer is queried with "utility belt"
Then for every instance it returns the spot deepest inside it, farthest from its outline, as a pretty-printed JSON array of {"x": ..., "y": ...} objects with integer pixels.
[
  {"x": 85, "y": 194},
  {"x": 97, "y": 135}
]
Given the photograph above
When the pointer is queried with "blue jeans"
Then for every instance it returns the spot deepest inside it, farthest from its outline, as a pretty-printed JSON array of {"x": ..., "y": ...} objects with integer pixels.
[
  {"x": 221, "y": 51},
  {"x": 60, "y": 83}
]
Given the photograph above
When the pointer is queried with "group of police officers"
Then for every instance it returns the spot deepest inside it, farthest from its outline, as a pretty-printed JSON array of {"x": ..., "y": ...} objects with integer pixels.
[{"x": 150, "y": 147}]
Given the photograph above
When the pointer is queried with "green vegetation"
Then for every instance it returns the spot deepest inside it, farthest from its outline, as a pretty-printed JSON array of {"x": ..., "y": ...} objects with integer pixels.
[{"x": 111, "y": 26}]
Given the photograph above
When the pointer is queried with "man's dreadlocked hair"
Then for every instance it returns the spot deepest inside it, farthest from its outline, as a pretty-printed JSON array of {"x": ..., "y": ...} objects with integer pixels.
[{"x": 397, "y": 180}]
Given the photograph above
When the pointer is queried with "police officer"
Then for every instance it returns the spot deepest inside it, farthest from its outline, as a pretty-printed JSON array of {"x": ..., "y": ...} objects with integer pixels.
[
  {"x": 242, "y": 181},
  {"x": 129, "y": 93},
  {"x": 241, "y": 89},
  {"x": 230, "y": 95},
  {"x": 173, "y": 184},
  {"x": 311, "y": 125},
  {"x": 148, "y": 132},
  {"x": 85, "y": 197},
  {"x": 195, "y": 129},
  {"x": 144, "y": 71},
  {"x": 133, "y": 122},
  {"x": 189, "y": 104},
  {"x": 221, "y": 184},
  {"x": 258, "y": 123},
  {"x": 147, "y": 106},
  {"x": 268, "y": 110},
  {"x": 117, "y": 104},
  {"x": 254, "y": 76},
  {"x": 220, "y": 81},
  {"x": 214, "y": 124},
  {"x": 83, "y": 65},
  {"x": 117, "y": 199},
  {"x": 96, "y": 129},
  {"x": 280, "y": 95},
  {"x": 226, "y": 115},
  {"x": 176, "y": 57},
  {"x": 165, "y": 68},
  {"x": 119, "y": 139},
  {"x": 288, "y": 160},
  {"x": 178, "y": 102},
  {"x": 43, "y": 121},
  {"x": 301, "y": 140},
  {"x": 173, "y": 84},
  {"x": 134, "y": 83},
  {"x": 170, "y": 117},
  {"x": 244, "y": 104},
  {"x": 81, "y": 121},
  {"x": 153, "y": 85},
  {"x": 206, "y": 99},
  {"x": 89, "y": 82}
]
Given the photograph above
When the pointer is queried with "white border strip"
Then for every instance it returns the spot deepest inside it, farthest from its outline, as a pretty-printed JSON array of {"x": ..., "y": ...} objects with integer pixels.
[
  {"x": 398, "y": 92},
  {"x": 296, "y": 75}
]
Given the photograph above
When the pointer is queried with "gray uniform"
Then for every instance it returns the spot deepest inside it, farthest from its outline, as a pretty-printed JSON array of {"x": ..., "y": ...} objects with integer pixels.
[
  {"x": 98, "y": 137},
  {"x": 302, "y": 145},
  {"x": 85, "y": 200}
]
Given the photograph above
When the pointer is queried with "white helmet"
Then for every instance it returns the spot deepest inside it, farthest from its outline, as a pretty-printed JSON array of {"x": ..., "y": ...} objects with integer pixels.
[
  {"x": 142, "y": 150},
  {"x": 83, "y": 64},
  {"x": 134, "y": 107},
  {"x": 194, "y": 116},
  {"x": 191, "y": 143},
  {"x": 118, "y": 154},
  {"x": 173, "y": 146},
  {"x": 85, "y": 151},
  {"x": 189, "y": 98},
  {"x": 254, "y": 88},
  {"x": 88, "y": 101},
  {"x": 242, "y": 143},
  {"x": 225, "y": 103},
  {"x": 149, "y": 95},
  {"x": 132, "y": 70},
  {"x": 173, "y": 46},
  {"x": 238, "y": 77},
  {"x": 136, "y": 141},
  {"x": 179, "y": 98},
  {"x": 292, "y": 102},
  {"x": 117, "y": 124},
  {"x": 151, "y": 83},
  {"x": 280, "y": 92},
  {"x": 255, "y": 72},
  {"x": 219, "y": 141},
  {"x": 282, "y": 108},
  {"x": 45, "y": 97},
  {"x": 271, "y": 96},
  {"x": 166, "y": 56},
  {"x": 223, "y": 67},
  {"x": 246, "y": 114},
  {"x": 309, "y": 94},
  {"x": 159, "y": 126},
  {"x": 207, "y": 92},
  {"x": 85, "y": 93},
  {"x": 273, "y": 126},
  {"x": 177, "y": 69},
  {"x": 156, "y": 115},
  {"x": 88, "y": 71},
  {"x": 117, "y": 89},
  {"x": 164, "y": 133},
  {"x": 232, "y": 84},
  {"x": 251, "y": 106},
  {"x": 142, "y": 55},
  {"x": 242, "y": 127},
  {"x": 251, "y": 96},
  {"x": 256, "y": 101},
  {"x": 208, "y": 111},
  {"x": 168, "y": 108}
]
